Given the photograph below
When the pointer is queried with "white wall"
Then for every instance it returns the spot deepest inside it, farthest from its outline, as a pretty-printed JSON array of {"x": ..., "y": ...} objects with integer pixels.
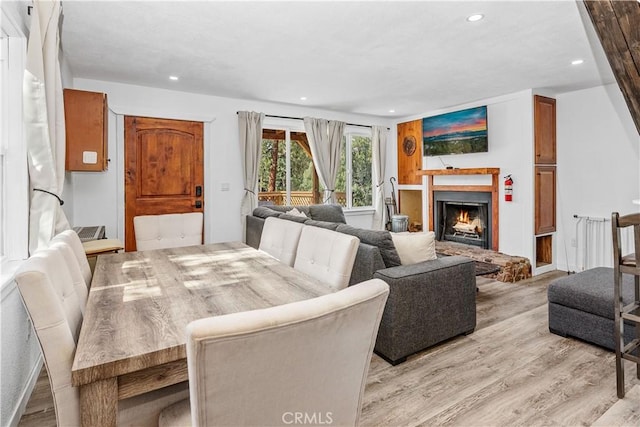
[
  {"x": 598, "y": 150},
  {"x": 98, "y": 198},
  {"x": 510, "y": 130}
]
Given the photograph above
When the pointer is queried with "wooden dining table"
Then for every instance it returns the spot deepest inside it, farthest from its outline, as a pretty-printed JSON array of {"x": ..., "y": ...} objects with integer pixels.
[{"x": 133, "y": 336}]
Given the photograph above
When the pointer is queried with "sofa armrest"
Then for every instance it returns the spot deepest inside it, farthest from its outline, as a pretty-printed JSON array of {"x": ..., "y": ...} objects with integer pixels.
[
  {"x": 253, "y": 230},
  {"x": 428, "y": 302},
  {"x": 368, "y": 261}
]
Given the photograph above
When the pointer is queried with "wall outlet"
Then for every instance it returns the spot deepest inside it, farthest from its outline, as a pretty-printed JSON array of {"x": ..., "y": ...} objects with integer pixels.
[
  {"x": 574, "y": 243},
  {"x": 224, "y": 186}
]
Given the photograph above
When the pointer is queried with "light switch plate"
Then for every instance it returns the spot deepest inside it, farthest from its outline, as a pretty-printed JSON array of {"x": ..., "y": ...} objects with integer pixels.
[
  {"x": 224, "y": 186},
  {"x": 90, "y": 157}
]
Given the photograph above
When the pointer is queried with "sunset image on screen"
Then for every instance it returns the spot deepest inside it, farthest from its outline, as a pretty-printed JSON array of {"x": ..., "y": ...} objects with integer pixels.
[{"x": 459, "y": 132}]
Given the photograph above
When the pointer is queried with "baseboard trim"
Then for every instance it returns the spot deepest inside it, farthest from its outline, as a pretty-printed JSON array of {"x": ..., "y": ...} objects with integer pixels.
[{"x": 26, "y": 394}]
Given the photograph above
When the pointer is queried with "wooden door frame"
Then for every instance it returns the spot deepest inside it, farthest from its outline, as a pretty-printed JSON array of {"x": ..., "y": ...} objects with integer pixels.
[{"x": 117, "y": 147}]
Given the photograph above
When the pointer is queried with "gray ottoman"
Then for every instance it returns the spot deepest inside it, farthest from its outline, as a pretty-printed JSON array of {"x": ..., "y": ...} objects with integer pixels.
[{"x": 581, "y": 306}]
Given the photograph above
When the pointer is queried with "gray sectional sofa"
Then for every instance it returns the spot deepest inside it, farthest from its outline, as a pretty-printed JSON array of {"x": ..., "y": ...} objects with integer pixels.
[{"x": 429, "y": 302}]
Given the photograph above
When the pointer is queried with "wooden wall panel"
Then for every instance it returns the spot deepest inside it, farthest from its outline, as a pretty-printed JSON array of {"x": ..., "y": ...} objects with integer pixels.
[
  {"x": 617, "y": 24},
  {"x": 409, "y": 152}
]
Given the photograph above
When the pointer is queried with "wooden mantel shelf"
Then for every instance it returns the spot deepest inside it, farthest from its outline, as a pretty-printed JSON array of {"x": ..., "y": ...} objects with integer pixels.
[{"x": 456, "y": 171}]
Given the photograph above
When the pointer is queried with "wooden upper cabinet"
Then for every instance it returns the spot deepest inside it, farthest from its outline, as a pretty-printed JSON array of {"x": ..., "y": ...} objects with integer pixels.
[
  {"x": 409, "y": 152},
  {"x": 86, "y": 129},
  {"x": 544, "y": 123},
  {"x": 545, "y": 204}
]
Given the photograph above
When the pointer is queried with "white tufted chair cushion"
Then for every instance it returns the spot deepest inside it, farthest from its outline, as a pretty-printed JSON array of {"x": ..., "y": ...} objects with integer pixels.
[
  {"x": 280, "y": 239},
  {"x": 69, "y": 271},
  {"x": 167, "y": 231},
  {"x": 326, "y": 255},
  {"x": 71, "y": 238},
  {"x": 255, "y": 367}
]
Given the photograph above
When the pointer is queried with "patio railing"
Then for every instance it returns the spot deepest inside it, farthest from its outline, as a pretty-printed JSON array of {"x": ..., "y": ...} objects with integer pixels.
[{"x": 298, "y": 198}]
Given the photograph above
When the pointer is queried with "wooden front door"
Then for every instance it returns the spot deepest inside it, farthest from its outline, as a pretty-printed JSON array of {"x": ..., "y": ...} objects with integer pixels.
[{"x": 164, "y": 170}]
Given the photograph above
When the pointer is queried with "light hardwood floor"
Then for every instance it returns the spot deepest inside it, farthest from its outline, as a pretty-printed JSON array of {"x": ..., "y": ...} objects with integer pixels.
[{"x": 510, "y": 372}]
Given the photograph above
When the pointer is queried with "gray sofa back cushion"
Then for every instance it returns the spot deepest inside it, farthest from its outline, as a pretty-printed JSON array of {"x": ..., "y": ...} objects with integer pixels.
[
  {"x": 328, "y": 213},
  {"x": 322, "y": 224},
  {"x": 265, "y": 212},
  {"x": 379, "y": 238}
]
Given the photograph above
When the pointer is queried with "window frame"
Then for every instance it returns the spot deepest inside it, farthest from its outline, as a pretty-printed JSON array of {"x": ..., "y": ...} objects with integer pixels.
[
  {"x": 15, "y": 197},
  {"x": 296, "y": 125},
  {"x": 348, "y": 139}
]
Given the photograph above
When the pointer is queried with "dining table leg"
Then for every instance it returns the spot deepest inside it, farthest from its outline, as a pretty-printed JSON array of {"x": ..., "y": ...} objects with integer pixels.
[{"x": 99, "y": 403}]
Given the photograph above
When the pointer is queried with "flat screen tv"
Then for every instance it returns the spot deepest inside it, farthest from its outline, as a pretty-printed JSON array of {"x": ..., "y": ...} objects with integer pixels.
[{"x": 459, "y": 132}]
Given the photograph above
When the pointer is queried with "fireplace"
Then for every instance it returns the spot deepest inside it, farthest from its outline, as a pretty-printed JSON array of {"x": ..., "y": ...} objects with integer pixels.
[{"x": 463, "y": 217}]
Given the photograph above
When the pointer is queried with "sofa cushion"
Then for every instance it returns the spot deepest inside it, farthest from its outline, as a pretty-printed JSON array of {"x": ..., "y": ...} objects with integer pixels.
[
  {"x": 415, "y": 247},
  {"x": 590, "y": 291},
  {"x": 322, "y": 224},
  {"x": 379, "y": 238},
  {"x": 329, "y": 213},
  {"x": 294, "y": 218},
  {"x": 265, "y": 212}
]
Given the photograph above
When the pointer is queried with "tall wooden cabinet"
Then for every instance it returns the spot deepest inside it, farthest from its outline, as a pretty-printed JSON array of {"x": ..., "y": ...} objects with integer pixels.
[
  {"x": 86, "y": 129},
  {"x": 544, "y": 125}
]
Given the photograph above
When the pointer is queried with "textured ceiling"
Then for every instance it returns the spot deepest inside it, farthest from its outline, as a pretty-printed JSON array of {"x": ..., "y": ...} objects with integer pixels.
[{"x": 361, "y": 57}]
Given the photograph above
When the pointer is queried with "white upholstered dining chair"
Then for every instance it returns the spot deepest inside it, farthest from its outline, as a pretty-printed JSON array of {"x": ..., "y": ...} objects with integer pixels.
[
  {"x": 262, "y": 367},
  {"x": 326, "y": 255},
  {"x": 71, "y": 238},
  {"x": 168, "y": 231},
  {"x": 53, "y": 306},
  {"x": 280, "y": 239}
]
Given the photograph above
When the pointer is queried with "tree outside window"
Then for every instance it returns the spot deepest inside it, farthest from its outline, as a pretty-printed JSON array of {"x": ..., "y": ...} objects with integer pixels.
[{"x": 354, "y": 177}]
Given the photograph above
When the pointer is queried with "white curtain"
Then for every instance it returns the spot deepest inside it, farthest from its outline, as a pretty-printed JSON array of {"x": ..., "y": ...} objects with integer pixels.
[
  {"x": 325, "y": 141},
  {"x": 250, "y": 126},
  {"x": 44, "y": 124},
  {"x": 379, "y": 150}
]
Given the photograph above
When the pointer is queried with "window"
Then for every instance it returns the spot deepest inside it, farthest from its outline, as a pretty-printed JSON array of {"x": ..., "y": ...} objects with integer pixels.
[
  {"x": 14, "y": 203},
  {"x": 286, "y": 174},
  {"x": 355, "y": 175}
]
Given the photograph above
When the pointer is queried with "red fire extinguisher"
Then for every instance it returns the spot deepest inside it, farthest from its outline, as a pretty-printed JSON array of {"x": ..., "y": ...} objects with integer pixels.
[{"x": 508, "y": 188}]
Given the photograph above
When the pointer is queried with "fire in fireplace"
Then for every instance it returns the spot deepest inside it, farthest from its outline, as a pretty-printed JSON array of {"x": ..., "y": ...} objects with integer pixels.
[{"x": 463, "y": 217}]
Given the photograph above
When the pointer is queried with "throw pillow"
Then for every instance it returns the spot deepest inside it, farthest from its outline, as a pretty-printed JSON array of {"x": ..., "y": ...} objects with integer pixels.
[
  {"x": 294, "y": 218},
  {"x": 296, "y": 212},
  {"x": 329, "y": 213},
  {"x": 415, "y": 247},
  {"x": 379, "y": 238},
  {"x": 286, "y": 209},
  {"x": 265, "y": 212}
]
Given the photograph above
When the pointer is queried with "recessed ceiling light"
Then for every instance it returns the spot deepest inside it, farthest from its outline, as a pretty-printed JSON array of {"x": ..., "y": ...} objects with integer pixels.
[
  {"x": 174, "y": 78},
  {"x": 303, "y": 98},
  {"x": 475, "y": 17},
  {"x": 577, "y": 61},
  {"x": 392, "y": 111}
]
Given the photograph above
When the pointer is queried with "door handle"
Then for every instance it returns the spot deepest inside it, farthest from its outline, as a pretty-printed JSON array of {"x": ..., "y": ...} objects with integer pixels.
[
  {"x": 198, "y": 191},
  {"x": 198, "y": 204}
]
